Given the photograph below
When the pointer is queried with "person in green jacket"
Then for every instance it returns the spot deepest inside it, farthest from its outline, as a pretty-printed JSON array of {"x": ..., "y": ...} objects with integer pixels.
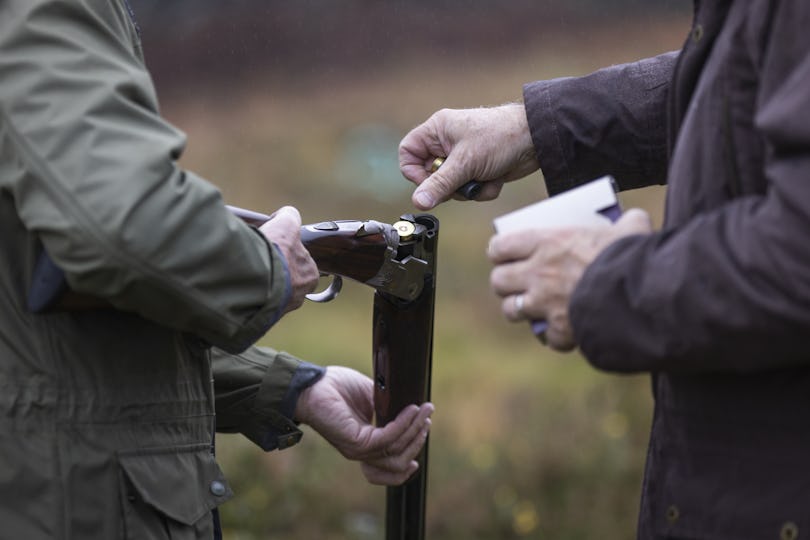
[{"x": 107, "y": 416}]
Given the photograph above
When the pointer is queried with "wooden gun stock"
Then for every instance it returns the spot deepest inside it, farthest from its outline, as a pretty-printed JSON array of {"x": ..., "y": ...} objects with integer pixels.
[
  {"x": 347, "y": 248},
  {"x": 337, "y": 249}
]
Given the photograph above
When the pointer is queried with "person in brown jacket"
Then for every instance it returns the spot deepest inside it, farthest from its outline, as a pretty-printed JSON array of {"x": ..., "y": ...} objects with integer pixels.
[
  {"x": 716, "y": 304},
  {"x": 107, "y": 416}
]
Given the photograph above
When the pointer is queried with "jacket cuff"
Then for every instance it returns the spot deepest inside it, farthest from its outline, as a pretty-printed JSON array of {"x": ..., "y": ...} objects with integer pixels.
[
  {"x": 304, "y": 376},
  {"x": 607, "y": 122},
  {"x": 538, "y": 99},
  {"x": 276, "y": 400},
  {"x": 256, "y": 394}
]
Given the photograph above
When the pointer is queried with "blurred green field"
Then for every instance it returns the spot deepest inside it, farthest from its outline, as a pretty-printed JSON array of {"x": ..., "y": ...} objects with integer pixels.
[{"x": 526, "y": 443}]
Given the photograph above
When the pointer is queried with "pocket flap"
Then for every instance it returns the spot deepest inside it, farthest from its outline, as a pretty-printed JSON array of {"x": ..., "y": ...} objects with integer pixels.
[{"x": 182, "y": 484}]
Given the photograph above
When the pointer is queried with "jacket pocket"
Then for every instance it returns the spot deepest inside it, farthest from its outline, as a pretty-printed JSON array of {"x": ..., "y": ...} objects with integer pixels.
[{"x": 168, "y": 493}]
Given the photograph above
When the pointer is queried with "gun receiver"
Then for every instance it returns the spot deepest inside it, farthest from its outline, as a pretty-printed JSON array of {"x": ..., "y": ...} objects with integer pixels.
[{"x": 384, "y": 257}]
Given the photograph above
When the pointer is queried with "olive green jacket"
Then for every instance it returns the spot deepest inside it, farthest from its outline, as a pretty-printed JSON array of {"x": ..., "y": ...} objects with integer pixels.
[{"x": 107, "y": 416}]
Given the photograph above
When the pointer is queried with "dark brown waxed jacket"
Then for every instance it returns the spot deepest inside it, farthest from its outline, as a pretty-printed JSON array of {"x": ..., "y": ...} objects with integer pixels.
[
  {"x": 107, "y": 416},
  {"x": 716, "y": 305}
]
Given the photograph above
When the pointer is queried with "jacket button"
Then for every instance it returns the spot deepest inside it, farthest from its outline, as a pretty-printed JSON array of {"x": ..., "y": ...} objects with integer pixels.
[
  {"x": 673, "y": 514},
  {"x": 790, "y": 531},
  {"x": 217, "y": 488},
  {"x": 697, "y": 33}
]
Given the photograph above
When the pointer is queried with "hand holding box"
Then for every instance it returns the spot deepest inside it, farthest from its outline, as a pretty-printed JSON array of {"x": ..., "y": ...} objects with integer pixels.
[{"x": 591, "y": 204}]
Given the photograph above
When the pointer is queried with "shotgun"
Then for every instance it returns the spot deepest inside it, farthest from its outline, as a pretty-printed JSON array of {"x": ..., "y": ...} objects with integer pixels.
[{"x": 399, "y": 262}]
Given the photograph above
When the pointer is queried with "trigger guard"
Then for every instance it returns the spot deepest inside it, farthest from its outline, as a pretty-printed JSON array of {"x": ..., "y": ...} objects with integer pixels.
[{"x": 329, "y": 293}]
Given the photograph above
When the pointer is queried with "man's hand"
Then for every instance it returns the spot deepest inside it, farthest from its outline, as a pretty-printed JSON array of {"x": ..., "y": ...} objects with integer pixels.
[
  {"x": 284, "y": 229},
  {"x": 340, "y": 408},
  {"x": 491, "y": 145},
  {"x": 543, "y": 267}
]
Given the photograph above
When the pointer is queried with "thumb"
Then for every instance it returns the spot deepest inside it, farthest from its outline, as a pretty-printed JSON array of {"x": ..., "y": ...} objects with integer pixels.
[
  {"x": 438, "y": 187},
  {"x": 287, "y": 213}
]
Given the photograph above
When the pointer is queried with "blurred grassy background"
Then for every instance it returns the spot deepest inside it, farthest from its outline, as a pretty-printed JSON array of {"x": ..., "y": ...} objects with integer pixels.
[{"x": 526, "y": 443}]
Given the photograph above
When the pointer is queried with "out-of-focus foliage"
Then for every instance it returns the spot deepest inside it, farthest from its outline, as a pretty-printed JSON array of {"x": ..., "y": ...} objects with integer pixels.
[{"x": 304, "y": 103}]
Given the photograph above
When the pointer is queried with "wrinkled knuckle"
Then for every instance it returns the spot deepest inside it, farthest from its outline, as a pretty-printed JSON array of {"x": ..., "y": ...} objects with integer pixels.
[
  {"x": 403, "y": 150},
  {"x": 494, "y": 250},
  {"x": 495, "y": 279},
  {"x": 442, "y": 181},
  {"x": 506, "y": 309},
  {"x": 293, "y": 214},
  {"x": 443, "y": 114}
]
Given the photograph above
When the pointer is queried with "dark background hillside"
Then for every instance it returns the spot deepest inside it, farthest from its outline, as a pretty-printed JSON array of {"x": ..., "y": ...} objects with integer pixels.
[{"x": 214, "y": 40}]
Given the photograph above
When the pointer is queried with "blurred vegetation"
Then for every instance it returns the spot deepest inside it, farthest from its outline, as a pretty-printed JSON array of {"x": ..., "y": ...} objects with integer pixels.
[{"x": 526, "y": 443}]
